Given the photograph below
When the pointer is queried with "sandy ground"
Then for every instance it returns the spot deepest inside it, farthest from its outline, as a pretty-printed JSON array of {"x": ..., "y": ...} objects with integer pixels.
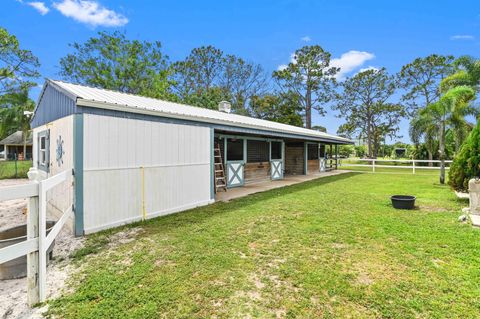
[{"x": 13, "y": 293}]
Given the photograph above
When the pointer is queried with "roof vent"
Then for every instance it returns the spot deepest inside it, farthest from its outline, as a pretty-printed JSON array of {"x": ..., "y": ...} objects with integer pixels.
[{"x": 225, "y": 106}]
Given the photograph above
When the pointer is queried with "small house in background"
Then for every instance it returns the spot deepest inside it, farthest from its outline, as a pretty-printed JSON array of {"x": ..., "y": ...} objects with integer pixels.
[
  {"x": 135, "y": 157},
  {"x": 11, "y": 147}
]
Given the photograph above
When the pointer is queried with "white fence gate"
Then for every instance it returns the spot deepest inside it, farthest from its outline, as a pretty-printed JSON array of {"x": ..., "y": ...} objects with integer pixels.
[{"x": 37, "y": 243}]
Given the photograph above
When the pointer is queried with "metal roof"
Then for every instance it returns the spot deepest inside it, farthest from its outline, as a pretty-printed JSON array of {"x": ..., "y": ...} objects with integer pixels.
[
  {"x": 16, "y": 139},
  {"x": 101, "y": 98}
]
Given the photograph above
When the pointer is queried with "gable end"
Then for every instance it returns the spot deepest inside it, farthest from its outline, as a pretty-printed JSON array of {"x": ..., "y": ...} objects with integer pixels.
[{"x": 52, "y": 105}]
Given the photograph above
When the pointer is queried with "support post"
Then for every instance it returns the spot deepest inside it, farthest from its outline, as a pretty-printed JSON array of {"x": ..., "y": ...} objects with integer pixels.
[
  {"x": 225, "y": 152},
  {"x": 33, "y": 292},
  {"x": 244, "y": 151},
  {"x": 336, "y": 156},
  {"x": 373, "y": 166},
  {"x": 413, "y": 165},
  {"x": 42, "y": 234},
  {"x": 305, "y": 158},
  {"x": 331, "y": 156}
]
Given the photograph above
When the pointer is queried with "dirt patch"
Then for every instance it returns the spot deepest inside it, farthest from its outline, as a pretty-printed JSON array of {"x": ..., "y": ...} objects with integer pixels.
[
  {"x": 13, "y": 293},
  {"x": 339, "y": 246},
  {"x": 123, "y": 237},
  {"x": 433, "y": 209},
  {"x": 364, "y": 279}
]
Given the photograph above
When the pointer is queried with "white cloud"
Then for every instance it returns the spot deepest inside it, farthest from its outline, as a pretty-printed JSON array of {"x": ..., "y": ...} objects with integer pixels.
[
  {"x": 367, "y": 69},
  {"x": 284, "y": 66},
  {"x": 293, "y": 59},
  {"x": 91, "y": 13},
  {"x": 350, "y": 61},
  {"x": 39, "y": 6},
  {"x": 462, "y": 37},
  {"x": 347, "y": 62},
  {"x": 306, "y": 39}
]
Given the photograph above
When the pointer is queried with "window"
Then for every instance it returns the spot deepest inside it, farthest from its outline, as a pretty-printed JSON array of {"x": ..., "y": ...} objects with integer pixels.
[
  {"x": 43, "y": 151},
  {"x": 234, "y": 149},
  {"x": 312, "y": 151},
  {"x": 322, "y": 151},
  {"x": 276, "y": 150}
]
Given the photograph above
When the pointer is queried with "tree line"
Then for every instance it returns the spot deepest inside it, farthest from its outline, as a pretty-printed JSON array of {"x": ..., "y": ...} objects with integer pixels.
[{"x": 433, "y": 92}]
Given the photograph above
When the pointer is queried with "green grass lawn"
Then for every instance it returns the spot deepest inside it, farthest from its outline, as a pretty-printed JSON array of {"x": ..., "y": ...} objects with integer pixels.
[
  {"x": 8, "y": 169},
  {"x": 329, "y": 248}
]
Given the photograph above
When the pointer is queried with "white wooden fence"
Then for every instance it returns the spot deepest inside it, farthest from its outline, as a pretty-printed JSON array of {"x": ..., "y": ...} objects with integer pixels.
[
  {"x": 38, "y": 242},
  {"x": 377, "y": 163}
]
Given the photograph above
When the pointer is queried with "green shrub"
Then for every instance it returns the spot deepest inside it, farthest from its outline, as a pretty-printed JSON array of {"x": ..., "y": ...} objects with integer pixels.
[
  {"x": 346, "y": 150},
  {"x": 466, "y": 164}
]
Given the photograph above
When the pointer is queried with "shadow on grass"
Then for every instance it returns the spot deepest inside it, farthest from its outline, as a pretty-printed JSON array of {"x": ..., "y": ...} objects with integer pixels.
[
  {"x": 200, "y": 213},
  {"x": 96, "y": 242}
]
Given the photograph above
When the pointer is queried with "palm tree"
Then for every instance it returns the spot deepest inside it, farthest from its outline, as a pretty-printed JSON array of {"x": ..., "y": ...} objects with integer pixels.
[
  {"x": 423, "y": 128},
  {"x": 467, "y": 73},
  {"x": 446, "y": 114}
]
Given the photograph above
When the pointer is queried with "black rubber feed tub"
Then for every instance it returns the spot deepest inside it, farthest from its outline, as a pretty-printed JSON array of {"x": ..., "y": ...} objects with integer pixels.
[{"x": 403, "y": 201}]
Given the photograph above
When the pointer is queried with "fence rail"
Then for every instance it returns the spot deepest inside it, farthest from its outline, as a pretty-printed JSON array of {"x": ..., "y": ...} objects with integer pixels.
[
  {"x": 376, "y": 163},
  {"x": 37, "y": 243}
]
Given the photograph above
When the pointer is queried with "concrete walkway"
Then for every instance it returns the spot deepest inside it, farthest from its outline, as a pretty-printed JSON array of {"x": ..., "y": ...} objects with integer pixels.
[{"x": 248, "y": 189}]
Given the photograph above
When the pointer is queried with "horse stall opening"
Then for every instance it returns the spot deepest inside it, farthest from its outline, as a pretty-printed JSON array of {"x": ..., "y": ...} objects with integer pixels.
[
  {"x": 313, "y": 162},
  {"x": 294, "y": 158},
  {"x": 257, "y": 168}
]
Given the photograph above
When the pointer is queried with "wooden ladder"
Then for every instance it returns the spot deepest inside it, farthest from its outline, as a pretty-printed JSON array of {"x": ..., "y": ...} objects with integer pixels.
[{"x": 220, "y": 181}]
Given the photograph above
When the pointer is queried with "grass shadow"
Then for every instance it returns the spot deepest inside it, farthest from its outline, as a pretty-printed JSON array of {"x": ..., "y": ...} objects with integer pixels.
[{"x": 97, "y": 241}]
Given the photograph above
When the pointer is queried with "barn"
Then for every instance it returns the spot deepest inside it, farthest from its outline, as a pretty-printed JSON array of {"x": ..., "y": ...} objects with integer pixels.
[{"x": 136, "y": 158}]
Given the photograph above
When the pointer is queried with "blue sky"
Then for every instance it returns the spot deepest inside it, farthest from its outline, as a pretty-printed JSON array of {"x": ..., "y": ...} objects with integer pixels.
[{"x": 366, "y": 33}]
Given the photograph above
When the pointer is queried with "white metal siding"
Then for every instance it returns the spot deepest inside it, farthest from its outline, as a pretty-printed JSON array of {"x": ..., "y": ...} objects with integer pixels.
[{"x": 175, "y": 160}]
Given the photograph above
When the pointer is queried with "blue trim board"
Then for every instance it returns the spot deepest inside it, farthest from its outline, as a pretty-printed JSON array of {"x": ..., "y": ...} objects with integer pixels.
[
  {"x": 78, "y": 170},
  {"x": 212, "y": 164}
]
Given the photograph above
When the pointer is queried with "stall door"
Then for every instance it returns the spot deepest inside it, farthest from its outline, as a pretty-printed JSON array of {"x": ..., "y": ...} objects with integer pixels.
[
  {"x": 276, "y": 169},
  {"x": 276, "y": 160},
  {"x": 235, "y": 162},
  {"x": 235, "y": 173}
]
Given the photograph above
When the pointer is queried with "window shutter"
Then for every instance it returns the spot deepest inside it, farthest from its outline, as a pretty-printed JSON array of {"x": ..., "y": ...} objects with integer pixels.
[{"x": 47, "y": 150}]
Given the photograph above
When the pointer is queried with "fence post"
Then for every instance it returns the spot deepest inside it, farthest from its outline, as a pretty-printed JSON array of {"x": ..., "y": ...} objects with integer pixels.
[
  {"x": 373, "y": 166},
  {"x": 16, "y": 166},
  {"x": 33, "y": 295},
  {"x": 413, "y": 162},
  {"x": 42, "y": 233}
]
